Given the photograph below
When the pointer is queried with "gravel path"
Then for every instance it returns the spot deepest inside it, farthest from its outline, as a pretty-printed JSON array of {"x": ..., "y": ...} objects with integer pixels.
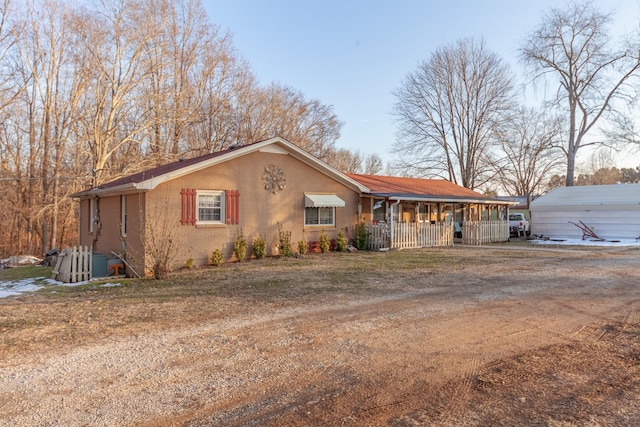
[{"x": 348, "y": 363}]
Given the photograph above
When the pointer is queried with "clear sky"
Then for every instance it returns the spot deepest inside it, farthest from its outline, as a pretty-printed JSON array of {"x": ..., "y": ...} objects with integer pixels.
[{"x": 352, "y": 54}]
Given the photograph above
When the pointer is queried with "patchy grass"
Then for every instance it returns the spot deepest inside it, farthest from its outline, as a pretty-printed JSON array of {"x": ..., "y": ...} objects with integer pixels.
[
  {"x": 93, "y": 287},
  {"x": 61, "y": 316},
  {"x": 24, "y": 272}
]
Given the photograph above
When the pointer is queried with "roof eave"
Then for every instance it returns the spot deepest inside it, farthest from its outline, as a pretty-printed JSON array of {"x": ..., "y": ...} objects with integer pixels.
[
  {"x": 440, "y": 199},
  {"x": 111, "y": 191}
]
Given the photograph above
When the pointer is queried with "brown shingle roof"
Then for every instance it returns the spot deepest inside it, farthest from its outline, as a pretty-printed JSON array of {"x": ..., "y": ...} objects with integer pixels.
[
  {"x": 161, "y": 170},
  {"x": 392, "y": 185}
]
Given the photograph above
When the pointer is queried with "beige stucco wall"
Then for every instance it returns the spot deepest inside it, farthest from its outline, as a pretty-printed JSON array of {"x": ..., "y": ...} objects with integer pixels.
[
  {"x": 367, "y": 209},
  {"x": 84, "y": 235},
  {"x": 260, "y": 209},
  {"x": 106, "y": 235}
]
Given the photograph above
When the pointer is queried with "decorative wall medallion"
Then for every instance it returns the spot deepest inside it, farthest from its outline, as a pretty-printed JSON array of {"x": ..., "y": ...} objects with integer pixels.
[{"x": 274, "y": 179}]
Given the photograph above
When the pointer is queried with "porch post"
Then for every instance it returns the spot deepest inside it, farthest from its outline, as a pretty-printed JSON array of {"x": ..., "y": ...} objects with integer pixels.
[{"x": 391, "y": 223}]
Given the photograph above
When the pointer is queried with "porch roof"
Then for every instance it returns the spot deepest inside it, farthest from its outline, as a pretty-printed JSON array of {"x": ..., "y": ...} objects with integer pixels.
[{"x": 423, "y": 190}]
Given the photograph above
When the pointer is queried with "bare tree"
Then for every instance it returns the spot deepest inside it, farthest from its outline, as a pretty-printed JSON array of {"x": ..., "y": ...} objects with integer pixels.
[
  {"x": 345, "y": 160},
  {"x": 599, "y": 169},
  {"x": 113, "y": 61},
  {"x": 373, "y": 164},
  {"x": 51, "y": 93},
  {"x": 8, "y": 89},
  {"x": 91, "y": 91},
  {"x": 600, "y": 159},
  {"x": 184, "y": 52},
  {"x": 572, "y": 47},
  {"x": 449, "y": 110},
  {"x": 349, "y": 161},
  {"x": 527, "y": 152},
  {"x": 282, "y": 111},
  {"x": 226, "y": 87}
]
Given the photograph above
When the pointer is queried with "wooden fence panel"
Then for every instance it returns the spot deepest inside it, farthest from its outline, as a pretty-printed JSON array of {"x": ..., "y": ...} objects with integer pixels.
[
  {"x": 378, "y": 236},
  {"x": 81, "y": 265},
  {"x": 73, "y": 265},
  {"x": 420, "y": 235},
  {"x": 480, "y": 232},
  {"x": 404, "y": 236}
]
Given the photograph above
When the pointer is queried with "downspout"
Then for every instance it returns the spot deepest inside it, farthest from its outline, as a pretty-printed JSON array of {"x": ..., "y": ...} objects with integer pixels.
[{"x": 391, "y": 222}]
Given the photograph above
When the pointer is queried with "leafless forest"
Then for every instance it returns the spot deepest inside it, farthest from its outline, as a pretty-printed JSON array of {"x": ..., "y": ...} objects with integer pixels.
[{"x": 93, "y": 92}]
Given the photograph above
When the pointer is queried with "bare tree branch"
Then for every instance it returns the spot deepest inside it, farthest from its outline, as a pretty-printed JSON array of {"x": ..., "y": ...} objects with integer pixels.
[
  {"x": 573, "y": 46},
  {"x": 449, "y": 110}
]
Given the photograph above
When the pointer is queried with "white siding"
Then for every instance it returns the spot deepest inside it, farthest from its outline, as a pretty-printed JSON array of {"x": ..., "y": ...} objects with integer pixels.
[{"x": 612, "y": 211}]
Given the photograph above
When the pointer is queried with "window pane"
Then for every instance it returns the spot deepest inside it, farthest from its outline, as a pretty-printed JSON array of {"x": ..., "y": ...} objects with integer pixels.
[
  {"x": 209, "y": 207},
  {"x": 311, "y": 216},
  {"x": 207, "y": 200},
  {"x": 319, "y": 216},
  {"x": 326, "y": 216}
]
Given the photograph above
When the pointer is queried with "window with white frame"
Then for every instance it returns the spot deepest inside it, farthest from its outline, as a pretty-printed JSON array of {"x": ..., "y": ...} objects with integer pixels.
[
  {"x": 319, "y": 216},
  {"x": 210, "y": 207}
]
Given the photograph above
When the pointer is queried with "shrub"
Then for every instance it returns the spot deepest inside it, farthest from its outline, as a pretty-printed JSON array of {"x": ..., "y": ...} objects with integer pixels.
[
  {"x": 362, "y": 237},
  {"x": 303, "y": 247},
  {"x": 161, "y": 240},
  {"x": 189, "y": 263},
  {"x": 240, "y": 246},
  {"x": 341, "y": 242},
  {"x": 259, "y": 247},
  {"x": 216, "y": 258},
  {"x": 325, "y": 245},
  {"x": 285, "y": 241}
]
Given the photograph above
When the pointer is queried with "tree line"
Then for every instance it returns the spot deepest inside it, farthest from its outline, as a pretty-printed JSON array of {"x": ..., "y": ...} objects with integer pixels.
[
  {"x": 92, "y": 91},
  {"x": 460, "y": 116}
]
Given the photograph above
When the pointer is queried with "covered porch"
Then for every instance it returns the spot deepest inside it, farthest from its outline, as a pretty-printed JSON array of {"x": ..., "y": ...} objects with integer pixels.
[
  {"x": 402, "y": 223},
  {"x": 401, "y": 212}
]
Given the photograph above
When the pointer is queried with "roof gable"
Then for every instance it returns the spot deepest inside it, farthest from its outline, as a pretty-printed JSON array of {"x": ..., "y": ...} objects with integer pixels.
[{"x": 151, "y": 178}]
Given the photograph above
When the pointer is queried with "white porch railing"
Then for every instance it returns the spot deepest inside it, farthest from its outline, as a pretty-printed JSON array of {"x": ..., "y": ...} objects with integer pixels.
[
  {"x": 421, "y": 234},
  {"x": 379, "y": 236},
  {"x": 480, "y": 232}
]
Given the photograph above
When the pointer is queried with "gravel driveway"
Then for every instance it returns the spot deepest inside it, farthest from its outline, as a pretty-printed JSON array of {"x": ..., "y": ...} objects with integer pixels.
[{"x": 550, "y": 337}]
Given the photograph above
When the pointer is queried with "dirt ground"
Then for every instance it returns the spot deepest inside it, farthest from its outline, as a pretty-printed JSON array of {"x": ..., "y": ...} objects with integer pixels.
[{"x": 447, "y": 337}]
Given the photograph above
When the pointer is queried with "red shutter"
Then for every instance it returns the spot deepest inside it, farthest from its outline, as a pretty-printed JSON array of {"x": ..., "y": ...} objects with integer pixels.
[
  {"x": 233, "y": 207},
  {"x": 188, "y": 206}
]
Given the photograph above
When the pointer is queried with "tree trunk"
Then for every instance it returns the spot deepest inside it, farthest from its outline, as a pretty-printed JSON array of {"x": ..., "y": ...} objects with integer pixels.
[
  {"x": 571, "y": 163},
  {"x": 571, "y": 146}
]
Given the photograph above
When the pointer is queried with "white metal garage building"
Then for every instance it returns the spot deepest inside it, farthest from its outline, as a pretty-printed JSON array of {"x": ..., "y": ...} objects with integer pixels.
[{"x": 611, "y": 211}]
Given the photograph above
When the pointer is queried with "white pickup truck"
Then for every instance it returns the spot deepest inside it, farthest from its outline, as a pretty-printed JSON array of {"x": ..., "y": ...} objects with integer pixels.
[{"x": 518, "y": 224}]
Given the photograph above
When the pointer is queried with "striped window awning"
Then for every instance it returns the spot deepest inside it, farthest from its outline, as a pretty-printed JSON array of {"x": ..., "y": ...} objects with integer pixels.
[{"x": 323, "y": 201}]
